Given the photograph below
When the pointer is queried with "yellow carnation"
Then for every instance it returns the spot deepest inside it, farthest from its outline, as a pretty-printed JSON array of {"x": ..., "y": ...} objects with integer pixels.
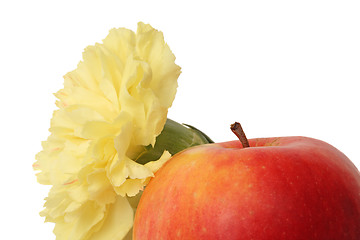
[{"x": 111, "y": 107}]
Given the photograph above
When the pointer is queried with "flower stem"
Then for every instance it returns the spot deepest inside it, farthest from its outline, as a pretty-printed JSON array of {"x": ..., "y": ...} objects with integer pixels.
[
  {"x": 174, "y": 138},
  {"x": 239, "y": 132}
]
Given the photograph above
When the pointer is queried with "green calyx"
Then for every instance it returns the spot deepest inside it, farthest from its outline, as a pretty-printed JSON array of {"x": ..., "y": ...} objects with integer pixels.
[{"x": 174, "y": 138}]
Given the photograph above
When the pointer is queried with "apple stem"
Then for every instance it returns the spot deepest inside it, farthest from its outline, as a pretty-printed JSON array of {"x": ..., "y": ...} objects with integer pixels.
[{"x": 239, "y": 132}]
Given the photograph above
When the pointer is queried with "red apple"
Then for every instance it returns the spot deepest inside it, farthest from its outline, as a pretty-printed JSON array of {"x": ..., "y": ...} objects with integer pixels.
[{"x": 278, "y": 188}]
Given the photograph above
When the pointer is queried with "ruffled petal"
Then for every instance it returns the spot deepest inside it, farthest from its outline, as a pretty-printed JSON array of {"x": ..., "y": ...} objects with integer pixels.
[
  {"x": 118, "y": 221},
  {"x": 112, "y": 106}
]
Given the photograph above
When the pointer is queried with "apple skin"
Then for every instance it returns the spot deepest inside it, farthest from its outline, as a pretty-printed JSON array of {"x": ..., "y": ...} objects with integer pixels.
[{"x": 279, "y": 188}]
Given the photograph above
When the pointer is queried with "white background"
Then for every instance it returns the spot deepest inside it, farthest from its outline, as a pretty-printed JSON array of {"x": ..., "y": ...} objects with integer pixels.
[{"x": 281, "y": 68}]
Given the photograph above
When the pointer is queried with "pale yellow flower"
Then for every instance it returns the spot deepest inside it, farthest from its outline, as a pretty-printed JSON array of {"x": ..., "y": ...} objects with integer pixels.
[{"x": 113, "y": 105}]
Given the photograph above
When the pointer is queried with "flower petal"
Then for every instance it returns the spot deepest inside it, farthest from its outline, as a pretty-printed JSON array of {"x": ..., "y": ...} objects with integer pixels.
[
  {"x": 112, "y": 107},
  {"x": 118, "y": 222}
]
